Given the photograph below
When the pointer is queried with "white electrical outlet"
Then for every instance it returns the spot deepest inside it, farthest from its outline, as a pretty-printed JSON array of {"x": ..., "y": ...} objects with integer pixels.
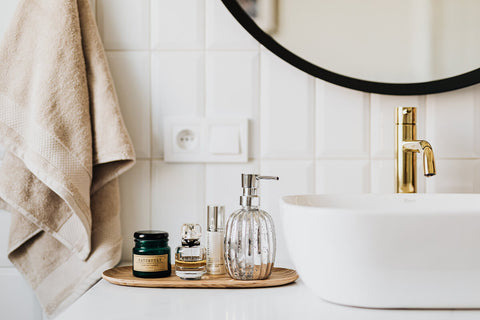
[
  {"x": 206, "y": 139},
  {"x": 186, "y": 138}
]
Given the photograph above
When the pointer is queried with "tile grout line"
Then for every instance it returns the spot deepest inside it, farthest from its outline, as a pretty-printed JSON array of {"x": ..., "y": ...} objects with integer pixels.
[
  {"x": 475, "y": 127},
  {"x": 370, "y": 163},
  {"x": 9, "y": 268},
  {"x": 204, "y": 89},
  {"x": 203, "y": 110},
  {"x": 259, "y": 110},
  {"x": 314, "y": 132},
  {"x": 319, "y": 103},
  {"x": 424, "y": 101},
  {"x": 150, "y": 182},
  {"x": 333, "y": 158},
  {"x": 182, "y": 50}
]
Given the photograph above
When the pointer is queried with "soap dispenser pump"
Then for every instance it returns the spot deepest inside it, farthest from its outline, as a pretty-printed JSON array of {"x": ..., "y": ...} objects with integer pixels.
[{"x": 250, "y": 235}]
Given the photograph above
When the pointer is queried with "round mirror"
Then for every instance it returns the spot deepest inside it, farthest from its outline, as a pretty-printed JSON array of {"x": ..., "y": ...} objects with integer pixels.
[{"x": 403, "y": 47}]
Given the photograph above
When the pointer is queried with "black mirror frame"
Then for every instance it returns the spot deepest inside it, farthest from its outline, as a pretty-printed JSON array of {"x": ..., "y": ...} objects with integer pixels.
[{"x": 418, "y": 88}]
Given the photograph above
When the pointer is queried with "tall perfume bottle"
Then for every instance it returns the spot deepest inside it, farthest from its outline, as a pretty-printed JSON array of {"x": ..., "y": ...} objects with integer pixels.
[
  {"x": 190, "y": 257},
  {"x": 250, "y": 235},
  {"x": 215, "y": 240}
]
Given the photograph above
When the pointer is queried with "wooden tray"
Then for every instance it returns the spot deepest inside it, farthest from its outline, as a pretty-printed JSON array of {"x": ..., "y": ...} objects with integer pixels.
[{"x": 123, "y": 276}]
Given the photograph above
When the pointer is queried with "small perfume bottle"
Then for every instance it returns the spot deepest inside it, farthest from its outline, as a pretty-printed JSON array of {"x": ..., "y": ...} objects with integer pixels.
[
  {"x": 190, "y": 258},
  {"x": 215, "y": 240}
]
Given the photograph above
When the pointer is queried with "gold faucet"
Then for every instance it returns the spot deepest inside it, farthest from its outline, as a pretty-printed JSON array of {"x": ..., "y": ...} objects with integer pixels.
[{"x": 406, "y": 147}]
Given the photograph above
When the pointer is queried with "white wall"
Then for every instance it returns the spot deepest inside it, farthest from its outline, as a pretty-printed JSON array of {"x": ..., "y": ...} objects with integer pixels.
[{"x": 189, "y": 57}]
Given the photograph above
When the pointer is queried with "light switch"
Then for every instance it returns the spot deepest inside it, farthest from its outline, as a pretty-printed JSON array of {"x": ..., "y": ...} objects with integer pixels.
[{"x": 224, "y": 140}]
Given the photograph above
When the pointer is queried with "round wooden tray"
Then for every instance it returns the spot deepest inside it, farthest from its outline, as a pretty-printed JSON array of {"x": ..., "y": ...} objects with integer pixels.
[{"x": 123, "y": 276}]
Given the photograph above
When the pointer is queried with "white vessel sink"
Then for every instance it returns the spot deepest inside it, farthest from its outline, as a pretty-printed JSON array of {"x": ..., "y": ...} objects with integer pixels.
[{"x": 387, "y": 251}]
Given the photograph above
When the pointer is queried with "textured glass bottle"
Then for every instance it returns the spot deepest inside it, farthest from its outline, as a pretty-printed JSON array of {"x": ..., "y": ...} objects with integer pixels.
[{"x": 250, "y": 236}]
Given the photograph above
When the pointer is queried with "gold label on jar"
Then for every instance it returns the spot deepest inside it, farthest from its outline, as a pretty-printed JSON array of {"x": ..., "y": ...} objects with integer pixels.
[{"x": 150, "y": 263}]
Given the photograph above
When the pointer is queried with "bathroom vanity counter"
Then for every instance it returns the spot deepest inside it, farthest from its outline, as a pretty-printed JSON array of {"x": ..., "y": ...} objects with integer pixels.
[{"x": 294, "y": 301}]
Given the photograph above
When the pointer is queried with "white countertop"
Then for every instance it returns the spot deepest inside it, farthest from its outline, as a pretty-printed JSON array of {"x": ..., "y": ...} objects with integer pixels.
[{"x": 295, "y": 301}]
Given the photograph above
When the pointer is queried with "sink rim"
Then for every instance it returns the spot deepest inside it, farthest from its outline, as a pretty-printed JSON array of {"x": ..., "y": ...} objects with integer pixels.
[{"x": 434, "y": 203}]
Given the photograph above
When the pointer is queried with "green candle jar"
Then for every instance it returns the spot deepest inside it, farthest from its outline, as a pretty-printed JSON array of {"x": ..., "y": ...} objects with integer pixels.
[{"x": 151, "y": 254}]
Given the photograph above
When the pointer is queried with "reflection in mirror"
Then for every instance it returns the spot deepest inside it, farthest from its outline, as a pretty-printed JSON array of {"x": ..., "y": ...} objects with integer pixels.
[{"x": 402, "y": 41}]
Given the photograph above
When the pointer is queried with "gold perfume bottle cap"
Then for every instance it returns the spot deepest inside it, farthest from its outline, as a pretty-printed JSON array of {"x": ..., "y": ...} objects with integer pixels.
[{"x": 406, "y": 115}]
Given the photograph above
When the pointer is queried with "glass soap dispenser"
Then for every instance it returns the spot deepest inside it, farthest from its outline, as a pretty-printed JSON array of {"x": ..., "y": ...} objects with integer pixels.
[
  {"x": 250, "y": 235},
  {"x": 190, "y": 257}
]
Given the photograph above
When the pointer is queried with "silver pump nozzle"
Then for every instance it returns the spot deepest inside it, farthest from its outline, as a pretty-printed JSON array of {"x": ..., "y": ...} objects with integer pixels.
[{"x": 250, "y": 186}]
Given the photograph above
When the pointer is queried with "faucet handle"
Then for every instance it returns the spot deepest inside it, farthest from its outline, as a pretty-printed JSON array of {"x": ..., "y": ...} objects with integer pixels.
[{"x": 406, "y": 115}]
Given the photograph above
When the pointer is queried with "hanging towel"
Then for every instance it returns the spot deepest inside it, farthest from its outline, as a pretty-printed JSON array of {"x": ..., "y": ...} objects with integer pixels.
[{"x": 66, "y": 145}]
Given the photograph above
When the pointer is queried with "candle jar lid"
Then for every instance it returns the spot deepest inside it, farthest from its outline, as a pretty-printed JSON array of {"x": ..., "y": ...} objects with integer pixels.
[{"x": 151, "y": 235}]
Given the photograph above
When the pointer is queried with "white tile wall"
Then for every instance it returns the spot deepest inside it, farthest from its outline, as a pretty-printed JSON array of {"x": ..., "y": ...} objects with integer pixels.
[
  {"x": 451, "y": 123},
  {"x": 343, "y": 119},
  {"x": 178, "y": 88},
  {"x": 232, "y": 89},
  {"x": 382, "y": 177},
  {"x": 337, "y": 176},
  {"x": 287, "y": 110},
  {"x": 223, "y": 32},
  {"x": 223, "y": 184},
  {"x": 190, "y": 34},
  {"x": 232, "y": 83},
  {"x": 190, "y": 57},
  {"x": 6, "y": 13},
  {"x": 178, "y": 197},
  {"x": 124, "y": 24},
  {"x": 131, "y": 73},
  {"x": 457, "y": 176}
]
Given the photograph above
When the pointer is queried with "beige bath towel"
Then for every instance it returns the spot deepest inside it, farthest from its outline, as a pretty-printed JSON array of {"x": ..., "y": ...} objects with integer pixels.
[{"x": 67, "y": 144}]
